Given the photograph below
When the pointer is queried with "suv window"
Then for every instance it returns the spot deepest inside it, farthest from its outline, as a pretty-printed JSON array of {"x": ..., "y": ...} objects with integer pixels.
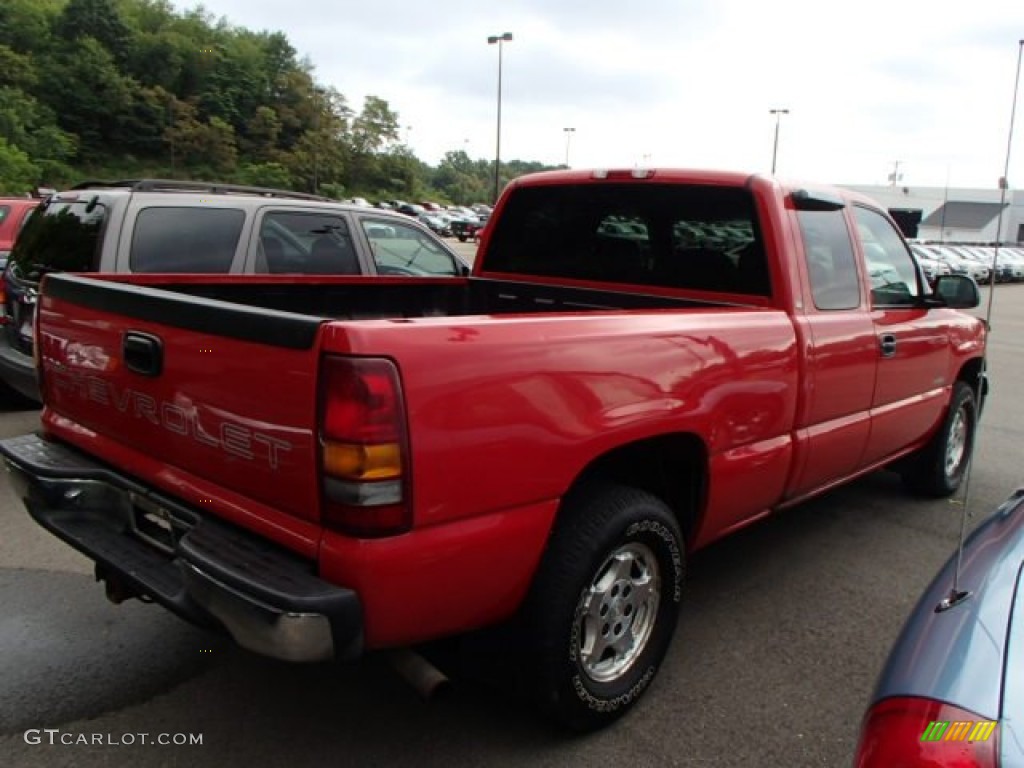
[
  {"x": 831, "y": 265},
  {"x": 185, "y": 239},
  {"x": 62, "y": 236},
  {"x": 894, "y": 277},
  {"x": 682, "y": 236},
  {"x": 399, "y": 249},
  {"x": 305, "y": 243}
]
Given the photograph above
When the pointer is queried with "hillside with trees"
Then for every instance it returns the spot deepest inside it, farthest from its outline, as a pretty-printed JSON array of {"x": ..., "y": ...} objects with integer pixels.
[{"x": 103, "y": 89}]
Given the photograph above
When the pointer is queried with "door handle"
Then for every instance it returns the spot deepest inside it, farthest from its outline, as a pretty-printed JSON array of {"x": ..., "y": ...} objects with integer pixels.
[
  {"x": 143, "y": 353},
  {"x": 887, "y": 342}
]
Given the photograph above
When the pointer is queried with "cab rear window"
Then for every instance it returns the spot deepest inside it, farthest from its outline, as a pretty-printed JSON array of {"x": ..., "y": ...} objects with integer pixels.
[
  {"x": 62, "y": 236},
  {"x": 694, "y": 237},
  {"x": 185, "y": 239}
]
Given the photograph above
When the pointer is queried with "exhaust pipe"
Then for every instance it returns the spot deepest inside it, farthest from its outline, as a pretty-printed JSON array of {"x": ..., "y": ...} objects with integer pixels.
[{"x": 424, "y": 677}]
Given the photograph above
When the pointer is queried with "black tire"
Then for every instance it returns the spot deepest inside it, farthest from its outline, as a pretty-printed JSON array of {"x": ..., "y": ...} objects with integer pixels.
[
  {"x": 600, "y": 526},
  {"x": 462, "y": 238},
  {"x": 939, "y": 467}
]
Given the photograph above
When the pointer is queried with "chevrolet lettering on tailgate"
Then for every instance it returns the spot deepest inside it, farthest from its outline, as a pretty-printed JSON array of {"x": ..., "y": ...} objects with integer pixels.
[{"x": 227, "y": 436}]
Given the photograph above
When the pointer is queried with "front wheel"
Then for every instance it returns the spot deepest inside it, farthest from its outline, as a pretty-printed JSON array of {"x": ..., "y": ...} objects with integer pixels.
[
  {"x": 604, "y": 605},
  {"x": 939, "y": 467}
]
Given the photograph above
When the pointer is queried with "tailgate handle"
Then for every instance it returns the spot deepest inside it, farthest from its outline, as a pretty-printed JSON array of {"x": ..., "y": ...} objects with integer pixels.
[{"x": 143, "y": 353}]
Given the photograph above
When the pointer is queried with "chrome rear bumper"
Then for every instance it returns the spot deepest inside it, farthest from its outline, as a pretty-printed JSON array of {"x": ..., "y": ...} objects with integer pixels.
[{"x": 207, "y": 572}]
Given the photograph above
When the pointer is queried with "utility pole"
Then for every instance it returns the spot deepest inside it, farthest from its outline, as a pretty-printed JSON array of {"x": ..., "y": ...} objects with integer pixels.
[
  {"x": 775, "y": 145},
  {"x": 895, "y": 177},
  {"x": 568, "y": 137}
]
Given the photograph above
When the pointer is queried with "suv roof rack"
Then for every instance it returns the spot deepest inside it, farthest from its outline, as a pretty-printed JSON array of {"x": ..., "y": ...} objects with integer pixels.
[{"x": 159, "y": 185}]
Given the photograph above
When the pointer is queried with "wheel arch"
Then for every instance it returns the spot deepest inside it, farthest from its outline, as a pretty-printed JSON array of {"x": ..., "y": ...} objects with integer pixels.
[
  {"x": 673, "y": 467},
  {"x": 971, "y": 374}
]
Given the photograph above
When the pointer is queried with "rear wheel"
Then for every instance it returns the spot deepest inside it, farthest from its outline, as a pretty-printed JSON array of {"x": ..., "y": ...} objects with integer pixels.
[
  {"x": 604, "y": 605},
  {"x": 939, "y": 467}
]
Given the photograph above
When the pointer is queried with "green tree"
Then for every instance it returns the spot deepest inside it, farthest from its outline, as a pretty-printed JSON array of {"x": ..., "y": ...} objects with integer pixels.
[
  {"x": 25, "y": 24},
  {"x": 84, "y": 87},
  {"x": 31, "y": 126},
  {"x": 260, "y": 140},
  {"x": 458, "y": 179},
  {"x": 193, "y": 141},
  {"x": 272, "y": 175},
  {"x": 96, "y": 19},
  {"x": 17, "y": 173},
  {"x": 16, "y": 70},
  {"x": 375, "y": 127},
  {"x": 218, "y": 145}
]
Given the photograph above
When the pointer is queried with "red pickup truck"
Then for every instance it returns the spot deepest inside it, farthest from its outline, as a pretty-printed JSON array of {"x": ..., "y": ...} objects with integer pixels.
[{"x": 641, "y": 363}]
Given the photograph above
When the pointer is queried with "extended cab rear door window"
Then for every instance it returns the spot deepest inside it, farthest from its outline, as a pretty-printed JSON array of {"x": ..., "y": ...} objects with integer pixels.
[
  {"x": 831, "y": 264},
  {"x": 306, "y": 243},
  {"x": 891, "y": 268},
  {"x": 197, "y": 239}
]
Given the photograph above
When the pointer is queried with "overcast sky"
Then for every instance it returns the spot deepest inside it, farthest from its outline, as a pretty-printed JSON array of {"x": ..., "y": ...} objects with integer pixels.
[{"x": 688, "y": 83}]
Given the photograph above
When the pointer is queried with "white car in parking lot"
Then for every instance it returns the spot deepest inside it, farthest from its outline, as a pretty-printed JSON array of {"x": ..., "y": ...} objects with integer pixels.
[{"x": 960, "y": 262}]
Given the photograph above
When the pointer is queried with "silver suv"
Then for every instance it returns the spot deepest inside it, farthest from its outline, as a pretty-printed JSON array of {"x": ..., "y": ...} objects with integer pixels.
[{"x": 161, "y": 226}]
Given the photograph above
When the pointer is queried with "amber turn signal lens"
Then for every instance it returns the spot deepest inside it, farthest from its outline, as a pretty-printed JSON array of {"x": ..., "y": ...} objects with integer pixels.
[{"x": 363, "y": 462}]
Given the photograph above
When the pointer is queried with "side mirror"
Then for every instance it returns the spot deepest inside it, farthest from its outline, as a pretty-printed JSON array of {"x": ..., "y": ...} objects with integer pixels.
[{"x": 957, "y": 291}]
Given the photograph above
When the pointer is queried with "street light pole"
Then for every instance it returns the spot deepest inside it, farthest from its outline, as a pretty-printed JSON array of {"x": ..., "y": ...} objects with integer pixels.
[
  {"x": 775, "y": 147},
  {"x": 491, "y": 40},
  {"x": 568, "y": 137}
]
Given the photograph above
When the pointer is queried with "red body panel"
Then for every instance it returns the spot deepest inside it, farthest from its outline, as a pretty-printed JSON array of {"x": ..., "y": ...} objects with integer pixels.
[
  {"x": 237, "y": 415},
  {"x": 504, "y": 413},
  {"x": 17, "y": 209},
  {"x": 540, "y": 397}
]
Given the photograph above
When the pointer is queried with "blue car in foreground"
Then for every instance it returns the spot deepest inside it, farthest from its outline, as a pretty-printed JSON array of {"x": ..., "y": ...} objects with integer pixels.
[{"x": 952, "y": 690}]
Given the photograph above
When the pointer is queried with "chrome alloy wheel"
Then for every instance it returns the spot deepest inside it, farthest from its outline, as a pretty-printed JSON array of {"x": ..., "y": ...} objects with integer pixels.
[
  {"x": 616, "y": 613},
  {"x": 956, "y": 446}
]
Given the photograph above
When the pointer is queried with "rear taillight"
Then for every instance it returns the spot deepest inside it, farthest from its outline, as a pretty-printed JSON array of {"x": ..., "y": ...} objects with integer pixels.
[
  {"x": 914, "y": 732},
  {"x": 363, "y": 447}
]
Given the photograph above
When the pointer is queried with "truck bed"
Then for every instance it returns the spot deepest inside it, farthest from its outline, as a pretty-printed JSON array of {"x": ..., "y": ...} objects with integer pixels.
[{"x": 369, "y": 299}]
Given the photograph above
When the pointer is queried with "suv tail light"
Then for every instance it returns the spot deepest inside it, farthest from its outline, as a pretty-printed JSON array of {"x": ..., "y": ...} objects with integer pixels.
[
  {"x": 363, "y": 447},
  {"x": 909, "y": 732}
]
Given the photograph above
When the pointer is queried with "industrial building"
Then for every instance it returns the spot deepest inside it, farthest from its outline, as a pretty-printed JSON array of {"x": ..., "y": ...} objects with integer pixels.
[{"x": 956, "y": 215}]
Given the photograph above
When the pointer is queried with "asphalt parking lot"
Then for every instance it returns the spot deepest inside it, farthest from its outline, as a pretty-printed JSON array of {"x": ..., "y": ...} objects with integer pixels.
[
  {"x": 466, "y": 250},
  {"x": 783, "y": 630}
]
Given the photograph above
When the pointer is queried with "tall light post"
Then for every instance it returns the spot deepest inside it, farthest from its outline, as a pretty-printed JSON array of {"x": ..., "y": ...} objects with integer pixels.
[
  {"x": 568, "y": 137},
  {"x": 775, "y": 147},
  {"x": 491, "y": 40}
]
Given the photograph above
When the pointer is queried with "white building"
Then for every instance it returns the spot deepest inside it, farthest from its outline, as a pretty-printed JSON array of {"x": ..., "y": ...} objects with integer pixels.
[{"x": 953, "y": 214}]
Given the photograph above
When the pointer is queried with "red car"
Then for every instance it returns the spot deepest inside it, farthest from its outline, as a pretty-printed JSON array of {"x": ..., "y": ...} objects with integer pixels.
[{"x": 14, "y": 212}]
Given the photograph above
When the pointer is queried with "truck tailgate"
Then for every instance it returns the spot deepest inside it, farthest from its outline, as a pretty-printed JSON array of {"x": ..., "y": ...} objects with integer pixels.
[{"x": 179, "y": 390}]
